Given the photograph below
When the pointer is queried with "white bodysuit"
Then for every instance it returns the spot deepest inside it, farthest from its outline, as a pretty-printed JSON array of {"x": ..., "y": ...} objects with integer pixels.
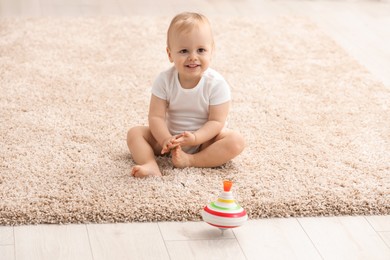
[{"x": 188, "y": 109}]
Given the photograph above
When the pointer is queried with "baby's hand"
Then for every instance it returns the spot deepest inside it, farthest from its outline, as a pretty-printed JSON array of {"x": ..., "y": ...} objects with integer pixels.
[
  {"x": 186, "y": 139},
  {"x": 169, "y": 144}
]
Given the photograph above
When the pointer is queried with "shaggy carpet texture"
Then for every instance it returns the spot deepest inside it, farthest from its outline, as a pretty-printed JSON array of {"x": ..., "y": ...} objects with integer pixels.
[{"x": 316, "y": 123}]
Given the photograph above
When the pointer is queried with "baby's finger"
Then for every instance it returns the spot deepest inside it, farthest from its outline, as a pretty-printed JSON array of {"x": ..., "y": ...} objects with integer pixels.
[
  {"x": 178, "y": 140},
  {"x": 164, "y": 150},
  {"x": 172, "y": 146},
  {"x": 178, "y": 136},
  {"x": 175, "y": 145}
]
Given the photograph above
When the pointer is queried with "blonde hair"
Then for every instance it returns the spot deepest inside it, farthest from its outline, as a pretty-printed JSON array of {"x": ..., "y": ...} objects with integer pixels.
[{"x": 185, "y": 22}]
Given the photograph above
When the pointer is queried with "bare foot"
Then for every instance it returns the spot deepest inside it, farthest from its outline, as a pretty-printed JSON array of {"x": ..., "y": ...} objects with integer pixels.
[
  {"x": 142, "y": 171},
  {"x": 181, "y": 159}
]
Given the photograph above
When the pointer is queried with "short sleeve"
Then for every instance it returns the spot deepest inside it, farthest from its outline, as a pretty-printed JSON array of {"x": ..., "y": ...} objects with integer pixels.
[
  {"x": 220, "y": 92},
  {"x": 159, "y": 87}
]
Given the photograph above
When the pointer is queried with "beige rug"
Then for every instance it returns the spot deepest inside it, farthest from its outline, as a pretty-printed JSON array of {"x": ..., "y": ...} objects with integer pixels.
[{"x": 317, "y": 124}]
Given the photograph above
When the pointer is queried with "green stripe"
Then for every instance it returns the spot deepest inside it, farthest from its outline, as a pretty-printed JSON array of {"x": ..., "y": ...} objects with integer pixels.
[{"x": 222, "y": 208}]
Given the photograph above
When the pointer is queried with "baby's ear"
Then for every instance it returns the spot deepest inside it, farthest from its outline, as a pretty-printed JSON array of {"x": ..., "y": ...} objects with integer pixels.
[{"x": 169, "y": 54}]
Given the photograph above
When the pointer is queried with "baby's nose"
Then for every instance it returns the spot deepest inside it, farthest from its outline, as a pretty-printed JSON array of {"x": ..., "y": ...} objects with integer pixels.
[{"x": 193, "y": 56}]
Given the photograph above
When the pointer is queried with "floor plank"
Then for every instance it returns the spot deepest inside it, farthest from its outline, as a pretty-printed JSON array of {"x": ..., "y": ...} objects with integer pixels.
[
  {"x": 205, "y": 249},
  {"x": 6, "y": 235},
  {"x": 386, "y": 237},
  {"x": 122, "y": 241},
  {"x": 102, "y": 8},
  {"x": 19, "y": 8},
  {"x": 379, "y": 223},
  {"x": 49, "y": 242},
  {"x": 275, "y": 239},
  {"x": 345, "y": 238},
  {"x": 192, "y": 231},
  {"x": 7, "y": 252}
]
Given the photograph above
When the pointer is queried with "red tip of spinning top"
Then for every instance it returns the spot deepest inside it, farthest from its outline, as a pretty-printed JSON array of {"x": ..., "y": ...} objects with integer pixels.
[{"x": 227, "y": 185}]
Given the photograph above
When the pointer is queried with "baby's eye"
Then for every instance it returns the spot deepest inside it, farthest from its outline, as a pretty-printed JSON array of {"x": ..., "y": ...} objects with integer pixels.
[
  {"x": 183, "y": 51},
  {"x": 202, "y": 50}
]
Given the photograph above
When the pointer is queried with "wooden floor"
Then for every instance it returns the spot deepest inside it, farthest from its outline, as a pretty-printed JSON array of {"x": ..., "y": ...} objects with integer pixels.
[
  {"x": 362, "y": 28},
  {"x": 303, "y": 238}
]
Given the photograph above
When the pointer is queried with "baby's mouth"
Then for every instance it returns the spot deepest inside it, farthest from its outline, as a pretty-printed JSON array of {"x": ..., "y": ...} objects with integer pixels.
[{"x": 192, "y": 66}]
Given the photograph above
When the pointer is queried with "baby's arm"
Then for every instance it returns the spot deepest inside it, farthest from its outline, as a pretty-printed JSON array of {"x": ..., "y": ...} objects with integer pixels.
[
  {"x": 215, "y": 123},
  {"x": 157, "y": 124}
]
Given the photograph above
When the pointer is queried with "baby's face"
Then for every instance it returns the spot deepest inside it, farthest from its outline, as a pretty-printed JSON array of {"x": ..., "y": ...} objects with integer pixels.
[{"x": 191, "y": 52}]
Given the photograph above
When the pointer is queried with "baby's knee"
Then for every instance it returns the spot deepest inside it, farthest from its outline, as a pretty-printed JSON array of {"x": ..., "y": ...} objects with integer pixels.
[
  {"x": 238, "y": 142},
  {"x": 134, "y": 132}
]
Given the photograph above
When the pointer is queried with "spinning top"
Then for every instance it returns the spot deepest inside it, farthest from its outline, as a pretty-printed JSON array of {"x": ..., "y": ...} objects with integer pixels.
[{"x": 225, "y": 212}]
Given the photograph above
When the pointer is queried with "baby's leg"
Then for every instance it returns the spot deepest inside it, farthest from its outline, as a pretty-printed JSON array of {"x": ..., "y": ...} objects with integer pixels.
[
  {"x": 143, "y": 147},
  {"x": 219, "y": 150}
]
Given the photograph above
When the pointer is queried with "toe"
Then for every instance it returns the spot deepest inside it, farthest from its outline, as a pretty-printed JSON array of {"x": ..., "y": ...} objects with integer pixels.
[{"x": 134, "y": 170}]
